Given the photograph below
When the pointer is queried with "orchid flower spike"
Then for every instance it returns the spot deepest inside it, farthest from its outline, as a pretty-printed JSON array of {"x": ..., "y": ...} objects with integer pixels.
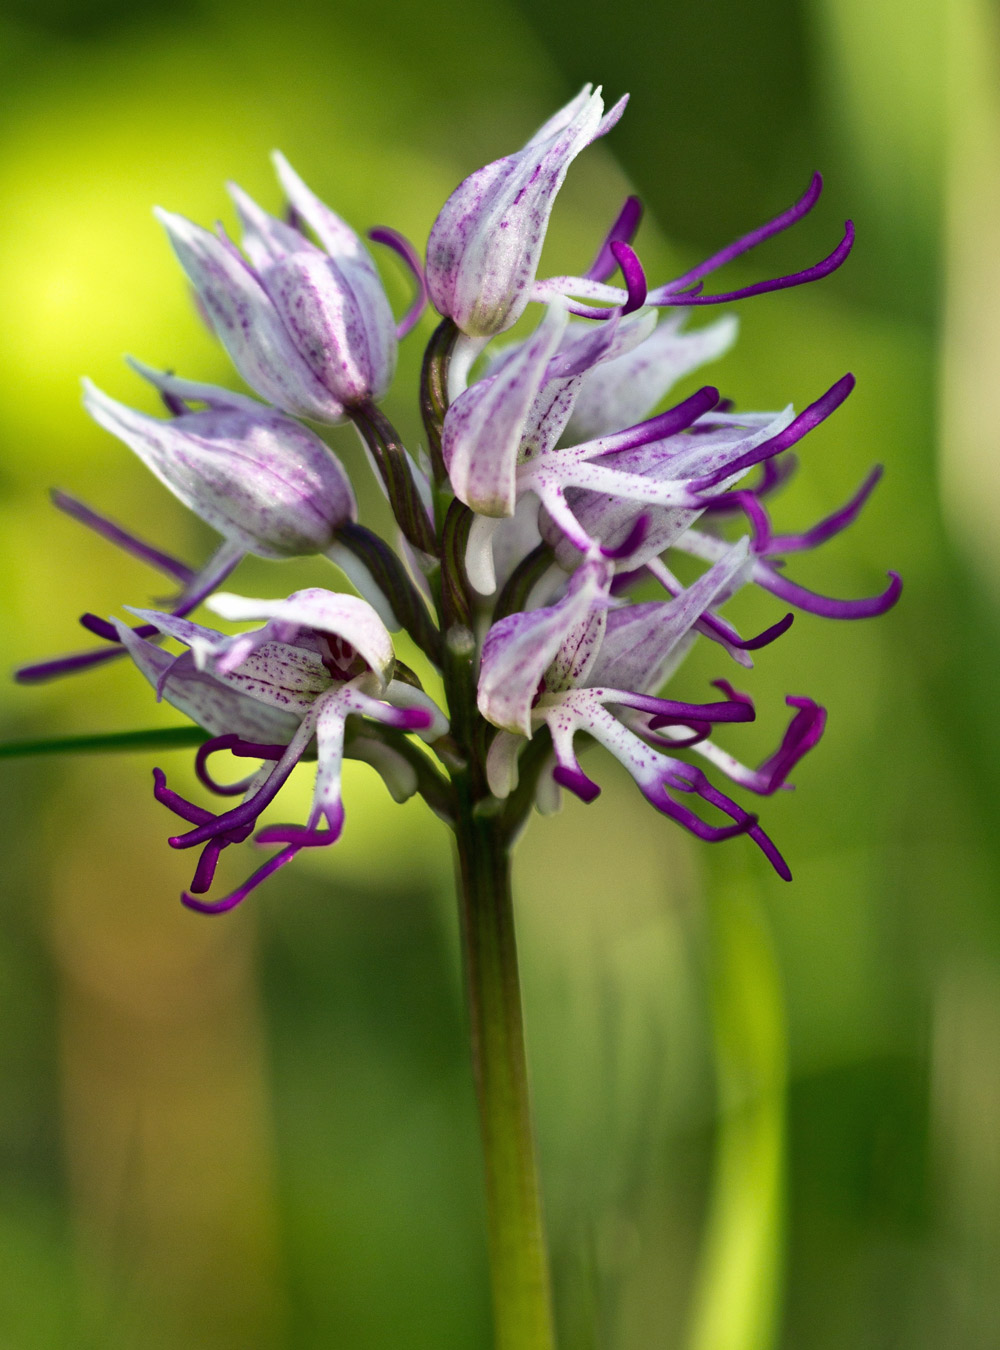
[
  {"x": 309, "y": 328},
  {"x": 269, "y": 695},
  {"x": 485, "y": 246},
  {"x": 554, "y": 483}
]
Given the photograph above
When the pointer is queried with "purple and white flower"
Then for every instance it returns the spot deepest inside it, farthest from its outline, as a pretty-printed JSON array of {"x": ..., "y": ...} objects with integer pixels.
[
  {"x": 501, "y": 442},
  {"x": 270, "y": 695},
  {"x": 566, "y": 666},
  {"x": 266, "y": 483}
]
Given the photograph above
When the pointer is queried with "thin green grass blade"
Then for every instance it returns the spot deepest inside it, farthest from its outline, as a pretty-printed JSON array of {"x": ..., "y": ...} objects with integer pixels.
[{"x": 158, "y": 738}]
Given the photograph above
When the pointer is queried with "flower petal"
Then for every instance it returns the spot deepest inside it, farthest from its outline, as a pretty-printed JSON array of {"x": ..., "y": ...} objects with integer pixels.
[
  {"x": 519, "y": 649},
  {"x": 247, "y": 323},
  {"x": 483, "y": 429},
  {"x": 258, "y": 477},
  {"x": 644, "y": 643},
  {"x": 484, "y": 247},
  {"x": 343, "y": 616},
  {"x": 217, "y": 707},
  {"x": 623, "y": 390}
]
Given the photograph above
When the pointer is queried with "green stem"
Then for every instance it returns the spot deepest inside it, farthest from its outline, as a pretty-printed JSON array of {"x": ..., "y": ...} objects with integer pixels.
[
  {"x": 518, "y": 1261},
  {"x": 158, "y": 738}
]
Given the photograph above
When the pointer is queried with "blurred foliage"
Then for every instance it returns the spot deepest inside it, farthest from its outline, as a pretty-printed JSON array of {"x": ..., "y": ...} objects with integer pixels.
[{"x": 768, "y": 1115}]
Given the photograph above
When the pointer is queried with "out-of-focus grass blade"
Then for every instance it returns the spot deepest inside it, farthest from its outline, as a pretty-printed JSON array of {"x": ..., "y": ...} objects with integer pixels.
[
  {"x": 158, "y": 738},
  {"x": 739, "y": 1282}
]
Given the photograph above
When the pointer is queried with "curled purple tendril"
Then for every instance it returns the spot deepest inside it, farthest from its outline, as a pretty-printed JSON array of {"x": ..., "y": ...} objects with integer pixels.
[
  {"x": 710, "y": 624},
  {"x": 622, "y": 231},
  {"x": 240, "y": 817},
  {"x": 236, "y": 746},
  {"x": 664, "y": 424},
  {"x": 401, "y": 246},
  {"x": 235, "y": 827},
  {"x": 791, "y": 216},
  {"x": 870, "y": 607},
  {"x": 767, "y": 544},
  {"x": 307, "y": 836},
  {"x": 635, "y": 277},
  {"x": 577, "y": 782},
  {"x": 668, "y": 712},
  {"x": 831, "y": 525},
  {"x": 807, "y": 421},
  {"x": 697, "y": 782},
  {"x": 634, "y": 540},
  {"x": 686, "y": 289},
  {"x": 801, "y": 734},
  {"x": 230, "y": 901},
  {"x": 204, "y": 873}
]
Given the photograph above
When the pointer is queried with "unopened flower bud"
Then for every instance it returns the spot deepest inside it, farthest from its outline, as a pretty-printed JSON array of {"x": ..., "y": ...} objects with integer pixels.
[
  {"x": 309, "y": 328},
  {"x": 485, "y": 246},
  {"x": 259, "y": 478}
]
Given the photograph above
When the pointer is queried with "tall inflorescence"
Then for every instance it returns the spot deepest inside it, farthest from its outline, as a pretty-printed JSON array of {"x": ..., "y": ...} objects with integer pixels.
[{"x": 537, "y": 529}]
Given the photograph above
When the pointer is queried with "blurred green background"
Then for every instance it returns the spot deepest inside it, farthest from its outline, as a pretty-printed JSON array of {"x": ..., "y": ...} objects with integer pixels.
[{"x": 769, "y": 1115}]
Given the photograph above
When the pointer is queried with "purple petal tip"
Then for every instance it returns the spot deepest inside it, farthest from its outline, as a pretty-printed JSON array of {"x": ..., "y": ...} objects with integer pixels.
[{"x": 577, "y": 782}]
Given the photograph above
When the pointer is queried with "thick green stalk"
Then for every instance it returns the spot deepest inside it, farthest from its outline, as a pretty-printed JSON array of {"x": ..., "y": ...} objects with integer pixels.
[
  {"x": 484, "y": 836},
  {"x": 518, "y": 1259}
]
